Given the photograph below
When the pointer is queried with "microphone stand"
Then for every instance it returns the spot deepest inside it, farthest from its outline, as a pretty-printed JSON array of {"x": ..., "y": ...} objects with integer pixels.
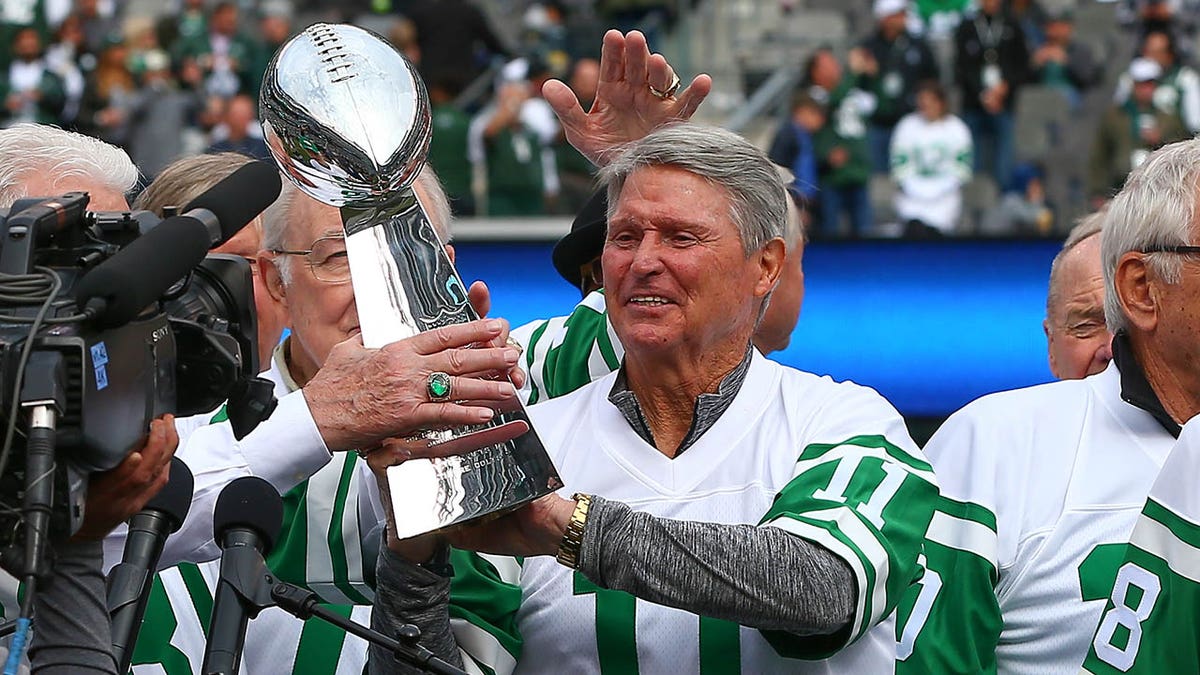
[{"x": 257, "y": 589}]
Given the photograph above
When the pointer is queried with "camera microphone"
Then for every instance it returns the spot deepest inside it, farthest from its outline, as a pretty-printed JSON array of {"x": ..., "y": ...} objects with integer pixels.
[
  {"x": 117, "y": 290},
  {"x": 130, "y": 581},
  {"x": 246, "y": 520}
]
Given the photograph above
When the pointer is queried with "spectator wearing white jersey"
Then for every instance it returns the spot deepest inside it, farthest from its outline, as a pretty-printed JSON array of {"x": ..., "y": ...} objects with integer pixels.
[
  {"x": 1042, "y": 486},
  {"x": 1077, "y": 339}
]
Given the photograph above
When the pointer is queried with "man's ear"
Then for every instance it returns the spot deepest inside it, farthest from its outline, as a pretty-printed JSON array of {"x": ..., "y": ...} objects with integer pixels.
[
  {"x": 271, "y": 279},
  {"x": 450, "y": 253},
  {"x": 1137, "y": 290},
  {"x": 770, "y": 262}
]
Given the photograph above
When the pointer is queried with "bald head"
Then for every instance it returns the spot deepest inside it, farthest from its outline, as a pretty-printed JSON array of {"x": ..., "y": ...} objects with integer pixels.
[{"x": 1078, "y": 342}]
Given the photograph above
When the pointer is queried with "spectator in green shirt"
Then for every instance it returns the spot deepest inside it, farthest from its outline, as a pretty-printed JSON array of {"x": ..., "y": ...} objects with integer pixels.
[
  {"x": 448, "y": 147},
  {"x": 843, "y": 159}
]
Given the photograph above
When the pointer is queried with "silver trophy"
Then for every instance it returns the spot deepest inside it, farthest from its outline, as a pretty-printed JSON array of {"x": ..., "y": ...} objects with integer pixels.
[{"x": 347, "y": 119}]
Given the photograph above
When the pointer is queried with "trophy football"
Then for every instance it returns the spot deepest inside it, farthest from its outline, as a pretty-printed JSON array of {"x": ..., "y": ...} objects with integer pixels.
[{"x": 347, "y": 120}]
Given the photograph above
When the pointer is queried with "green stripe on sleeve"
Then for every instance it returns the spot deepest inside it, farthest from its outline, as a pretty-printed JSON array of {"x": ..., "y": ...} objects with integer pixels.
[
  {"x": 337, "y": 546},
  {"x": 1184, "y": 530}
]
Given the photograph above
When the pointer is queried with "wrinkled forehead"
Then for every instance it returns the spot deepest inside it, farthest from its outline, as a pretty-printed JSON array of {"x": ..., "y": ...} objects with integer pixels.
[
  {"x": 310, "y": 220},
  {"x": 102, "y": 197}
]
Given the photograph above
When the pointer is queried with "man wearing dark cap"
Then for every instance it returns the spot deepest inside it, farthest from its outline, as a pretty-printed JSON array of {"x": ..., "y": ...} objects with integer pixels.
[
  {"x": 564, "y": 353},
  {"x": 1064, "y": 63}
]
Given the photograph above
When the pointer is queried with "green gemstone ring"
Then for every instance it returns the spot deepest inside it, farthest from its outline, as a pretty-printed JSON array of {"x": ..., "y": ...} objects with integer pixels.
[{"x": 438, "y": 386}]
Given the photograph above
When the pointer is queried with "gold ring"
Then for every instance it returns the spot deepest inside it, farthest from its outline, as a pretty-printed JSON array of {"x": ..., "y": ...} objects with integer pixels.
[
  {"x": 669, "y": 92},
  {"x": 515, "y": 345}
]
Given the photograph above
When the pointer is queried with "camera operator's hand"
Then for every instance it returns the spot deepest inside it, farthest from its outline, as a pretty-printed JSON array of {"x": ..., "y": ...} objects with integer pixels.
[
  {"x": 115, "y": 495},
  {"x": 362, "y": 396},
  {"x": 625, "y": 108}
]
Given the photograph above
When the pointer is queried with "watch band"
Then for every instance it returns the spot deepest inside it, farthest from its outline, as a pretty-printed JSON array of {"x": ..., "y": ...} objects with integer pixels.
[{"x": 572, "y": 541}]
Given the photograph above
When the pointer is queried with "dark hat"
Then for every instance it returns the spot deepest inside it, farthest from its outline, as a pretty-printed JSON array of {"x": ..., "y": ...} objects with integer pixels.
[{"x": 585, "y": 241}]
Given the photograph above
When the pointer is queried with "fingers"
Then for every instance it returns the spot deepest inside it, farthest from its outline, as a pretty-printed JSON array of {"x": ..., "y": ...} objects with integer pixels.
[
  {"x": 693, "y": 96},
  {"x": 471, "y": 389},
  {"x": 465, "y": 362},
  {"x": 564, "y": 102},
  {"x": 451, "y": 415},
  {"x": 612, "y": 58},
  {"x": 480, "y": 298},
  {"x": 659, "y": 73},
  {"x": 450, "y": 337},
  {"x": 637, "y": 56}
]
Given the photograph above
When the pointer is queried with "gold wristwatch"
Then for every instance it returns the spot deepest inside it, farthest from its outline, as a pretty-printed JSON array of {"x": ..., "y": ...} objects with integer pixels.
[{"x": 572, "y": 541}]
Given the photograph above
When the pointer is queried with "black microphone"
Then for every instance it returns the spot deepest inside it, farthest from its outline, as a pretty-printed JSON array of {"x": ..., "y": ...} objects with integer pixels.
[
  {"x": 119, "y": 288},
  {"x": 130, "y": 581},
  {"x": 246, "y": 520}
]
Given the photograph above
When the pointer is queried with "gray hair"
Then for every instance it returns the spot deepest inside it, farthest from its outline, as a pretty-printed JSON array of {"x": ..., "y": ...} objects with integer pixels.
[
  {"x": 1156, "y": 207},
  {"x": 1085, "y": 228},
  {"x": 277, "y": 217},
  {"x": 185, "y": 179},
  {"x": 757, "y": 197},
  {"x": 37, "y": 148}
]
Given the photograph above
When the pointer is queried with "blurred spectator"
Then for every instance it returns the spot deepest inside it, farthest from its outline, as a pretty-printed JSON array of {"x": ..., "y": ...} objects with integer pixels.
[
  {"x": 931, "y": 161},
  {"x": 990, "y": 65},
  {"x": 940, "y": 18},
  {"x": 454, "y": 36},
  {"x": 1063, "y": 63},
  {"x": 274, "y": 29},
  {"x": 158, "y": 113},
  {"x": 1023, "y": 210},
  {"x": 793, "y": 146},
  {"x": 545, "y": 29},
  {"x": 510, "y": 150},
  {"x": 97, "y": 28},
  {"x": 1151, "y": 16},
  {"x": 1130, "y": 131},
  {"x": 892, "y": 61},
  {"x": 224, "y": 55},
  {"x": 1029, "y": 15},
  {"x": 843, "y": 161},
  {"x": 576, "y": 174},
  {"x": 403, "y": 36},
  {"x": 69, "y": 59},
  {"x": 448, "y": 147},
  {"x": 239, "y": 131},
  {"x": 109, "y": 93},
  {"x": 16, "y": 15},
  {"x": 30, "y": 90},
  {"x": 1179, "y": 86},
  {"x": 190, "y": 25}
]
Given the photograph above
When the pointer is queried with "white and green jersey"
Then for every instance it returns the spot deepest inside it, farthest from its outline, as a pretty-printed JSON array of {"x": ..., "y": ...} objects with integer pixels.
[
  {"x": 1040, "y": 488},
  {"x": 328, "y": 521},
  {"x": 830, "y": 462},
  {"x": 564, "y": 353},
  {"x": 1149, "y": 622}
]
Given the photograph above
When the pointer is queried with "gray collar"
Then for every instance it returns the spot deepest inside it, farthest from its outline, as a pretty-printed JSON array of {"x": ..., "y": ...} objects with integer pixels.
[{"x": 709, "y": 407}]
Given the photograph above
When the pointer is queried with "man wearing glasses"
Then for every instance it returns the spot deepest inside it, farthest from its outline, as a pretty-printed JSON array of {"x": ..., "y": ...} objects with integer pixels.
[{"x": 1041, "y": 487}]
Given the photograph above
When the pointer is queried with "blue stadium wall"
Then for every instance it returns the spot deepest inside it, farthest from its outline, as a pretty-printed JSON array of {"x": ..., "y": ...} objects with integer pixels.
[{"x": 931, "y": 326}]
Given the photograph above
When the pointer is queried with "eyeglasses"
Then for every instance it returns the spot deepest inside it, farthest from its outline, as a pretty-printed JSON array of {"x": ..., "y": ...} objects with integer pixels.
[
  {"x": 1180, "y": 250},
  {"x": 327, "y": 259}
]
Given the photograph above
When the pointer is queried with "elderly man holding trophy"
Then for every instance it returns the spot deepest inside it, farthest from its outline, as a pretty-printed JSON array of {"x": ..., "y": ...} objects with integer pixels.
[{"x": 729, "y": 514}]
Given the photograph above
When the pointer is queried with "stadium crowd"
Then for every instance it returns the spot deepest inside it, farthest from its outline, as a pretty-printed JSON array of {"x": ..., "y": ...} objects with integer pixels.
[
  {"x": 935, "y": 119},
  {"x": 722, "y": 512}
]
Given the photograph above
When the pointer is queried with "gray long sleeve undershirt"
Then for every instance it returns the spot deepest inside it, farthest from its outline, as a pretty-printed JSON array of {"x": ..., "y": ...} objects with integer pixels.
[
  {"x": 408, "y": 593},
  {"x": 71, "y": 632},
  {"x": 761, "y": 577}
]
